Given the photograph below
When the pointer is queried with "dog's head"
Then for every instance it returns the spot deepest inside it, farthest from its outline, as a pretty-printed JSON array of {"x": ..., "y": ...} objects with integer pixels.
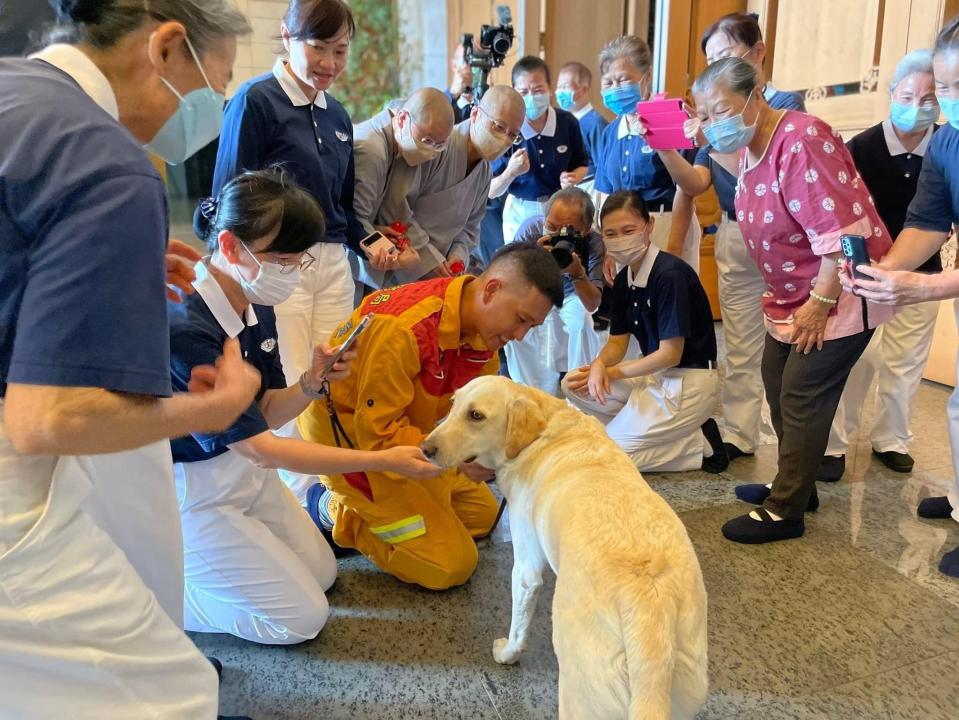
[{"x": 492, "y": 420}]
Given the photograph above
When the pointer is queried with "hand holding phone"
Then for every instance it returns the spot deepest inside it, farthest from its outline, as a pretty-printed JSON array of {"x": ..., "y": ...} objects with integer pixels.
[
  {"x": 664, "y": 119},
  {"x": 376, "y": 241},
  {"x": 855, "y": 251},
  {"x": 342, "y": 349}
]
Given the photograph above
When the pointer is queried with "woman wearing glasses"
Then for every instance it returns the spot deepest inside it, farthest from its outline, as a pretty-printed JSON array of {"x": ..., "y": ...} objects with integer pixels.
[{"x": 255, "y": 565}]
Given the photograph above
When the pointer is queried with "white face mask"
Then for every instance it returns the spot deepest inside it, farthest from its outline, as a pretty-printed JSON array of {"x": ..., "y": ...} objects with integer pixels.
[
  {"x": 412, "y": 150},
  {"x": 488, "y": 144},
  {"x": 627, "y": 249},
  {"x": 270, "y": 286}
]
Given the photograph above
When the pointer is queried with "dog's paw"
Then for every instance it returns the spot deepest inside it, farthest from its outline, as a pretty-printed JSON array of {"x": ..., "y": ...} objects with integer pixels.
[{"x": 503, "y": 653}]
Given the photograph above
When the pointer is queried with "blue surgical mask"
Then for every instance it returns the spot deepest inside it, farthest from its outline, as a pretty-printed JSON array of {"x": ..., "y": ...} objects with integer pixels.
[
  {"x": 536, "y": 105},
  {"x": 950, "y": 108},
  {"x": 622, "y": 99},
  {"x": 730, "y": 134},
  {"x": 195, "y": 124},
  {"x": 564, "y": 98},
  {"x": 909, "y": 118}
]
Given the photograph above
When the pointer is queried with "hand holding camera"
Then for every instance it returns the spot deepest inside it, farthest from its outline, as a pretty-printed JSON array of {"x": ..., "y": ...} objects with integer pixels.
[{"x": 569, "y": 248}]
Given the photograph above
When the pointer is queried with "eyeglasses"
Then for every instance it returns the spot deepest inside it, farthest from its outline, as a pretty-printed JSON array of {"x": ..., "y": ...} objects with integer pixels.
[
  {"x": 305, "y": 262},
  {"x": 425, "y": 140},
  {"x": 514, "y": 137}
]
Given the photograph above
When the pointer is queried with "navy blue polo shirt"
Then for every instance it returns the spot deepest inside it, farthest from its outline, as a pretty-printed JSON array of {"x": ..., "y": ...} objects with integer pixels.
[
  {"x": 197, "y": 335},
  {"x": 724, "y": 182},
  {"x": 270, "y": 121},
  {"x": 557, "y": 149},
  {"x": 591, "y": 126},
  {"x": 533, "y": 228},
  {"x": 665, "y": 300},
  {"x": 935, "y": 207},
  {"x": 626, "y": 162},
  {"x": 83, "y": 233}
]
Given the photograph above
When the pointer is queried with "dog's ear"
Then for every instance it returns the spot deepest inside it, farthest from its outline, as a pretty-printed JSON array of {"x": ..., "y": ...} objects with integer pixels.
[{"x": 524, "y": 423}]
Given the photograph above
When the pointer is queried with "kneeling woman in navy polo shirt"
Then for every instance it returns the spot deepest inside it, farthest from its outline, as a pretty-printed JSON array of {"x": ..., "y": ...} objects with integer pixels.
[
  {"x": 255, "y": 564},
  {"x": 653, "y": 407}
]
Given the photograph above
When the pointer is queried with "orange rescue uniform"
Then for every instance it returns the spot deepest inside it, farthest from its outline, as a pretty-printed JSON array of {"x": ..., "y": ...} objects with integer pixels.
[{"x": 409, "y": 362}]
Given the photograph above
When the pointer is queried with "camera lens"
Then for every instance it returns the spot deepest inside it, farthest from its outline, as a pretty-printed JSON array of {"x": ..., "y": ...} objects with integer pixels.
[
  {"x": 562, "y": 253},
  {"x": 501, "y": 43}
]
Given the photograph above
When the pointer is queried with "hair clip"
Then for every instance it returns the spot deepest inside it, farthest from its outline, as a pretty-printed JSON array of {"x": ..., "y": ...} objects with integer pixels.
[{"x": 208, "y": 207}]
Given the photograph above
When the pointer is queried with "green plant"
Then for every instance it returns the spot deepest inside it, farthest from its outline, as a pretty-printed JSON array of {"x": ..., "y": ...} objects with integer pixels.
[{"x": 372, "y": 76}]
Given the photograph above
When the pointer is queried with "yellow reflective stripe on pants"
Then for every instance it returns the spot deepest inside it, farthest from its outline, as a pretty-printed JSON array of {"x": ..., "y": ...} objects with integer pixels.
[{"x": 401, "y": 530}]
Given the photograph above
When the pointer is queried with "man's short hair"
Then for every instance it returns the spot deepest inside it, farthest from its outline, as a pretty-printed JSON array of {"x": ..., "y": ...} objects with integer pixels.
[
  {"x": 530, "y": 64},
  {"x": 535, "y": 264},
  {"x": 573, "y": 195},
  {"x": 580, "y": 73}
]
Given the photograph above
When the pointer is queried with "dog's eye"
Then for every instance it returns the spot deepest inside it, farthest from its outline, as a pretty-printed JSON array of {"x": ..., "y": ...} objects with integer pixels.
[{"x": 476, "y": 415}]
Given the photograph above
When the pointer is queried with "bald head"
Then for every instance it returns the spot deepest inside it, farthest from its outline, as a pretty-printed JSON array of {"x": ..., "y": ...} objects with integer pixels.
[
  {"x": 505, "y": 105},
  {"x": 431, "y": 112}
]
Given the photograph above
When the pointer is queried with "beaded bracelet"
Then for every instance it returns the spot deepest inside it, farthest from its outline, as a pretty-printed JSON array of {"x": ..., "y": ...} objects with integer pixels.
[{"x": 816, "y": 296}]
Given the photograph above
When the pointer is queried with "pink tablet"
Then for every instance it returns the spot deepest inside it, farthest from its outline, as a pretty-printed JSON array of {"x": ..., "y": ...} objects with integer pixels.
[{"x": 664, "y": 118}]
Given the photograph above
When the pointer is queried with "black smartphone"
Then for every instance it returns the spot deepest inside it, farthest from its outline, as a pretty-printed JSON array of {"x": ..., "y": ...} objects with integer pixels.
[{"x": 854, "y": 250}]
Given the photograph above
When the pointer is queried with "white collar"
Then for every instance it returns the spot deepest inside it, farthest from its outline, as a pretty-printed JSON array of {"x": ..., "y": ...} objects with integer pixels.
[
  {"x": 645, "y": 267},
  {"x": 894, "y": 144},
  {"x": 624, "y": 129},
  {"x": 583, "y": 111},
  {"x": 85, "y": 72},
  {"x": 293, "y": 90},
  {"x": 549, "y": 130},
  {"x": 209, "y": 289}
]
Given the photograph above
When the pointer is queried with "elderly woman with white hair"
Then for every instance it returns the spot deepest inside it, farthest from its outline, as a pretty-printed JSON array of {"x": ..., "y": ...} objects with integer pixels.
[{"x": 889, "y": 158}]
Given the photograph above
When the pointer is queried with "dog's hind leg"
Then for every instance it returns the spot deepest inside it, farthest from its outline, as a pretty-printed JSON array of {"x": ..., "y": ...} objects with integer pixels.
[{"x": 528, "y": 566}]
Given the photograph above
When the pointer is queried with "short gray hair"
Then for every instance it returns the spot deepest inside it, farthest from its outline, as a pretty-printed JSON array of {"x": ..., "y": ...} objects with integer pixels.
[
  {"x": 103, "y": 23},
  {"x": 573, "y": 195},
  {"x": 733, "y": 73},
  {"x": 918, "y": 61},
  {"x": 631, "y": 47}
]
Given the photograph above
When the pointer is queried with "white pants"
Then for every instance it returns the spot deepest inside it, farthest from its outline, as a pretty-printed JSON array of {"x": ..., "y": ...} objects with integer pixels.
[
  {"x": 323, "y": 299},
  {"x": 81, "y": 636},
  {"x": 741, "y": 288},
  {"x": 656, "y": 419},
  {"x": 515, "y": 211},
  {"x": 255, "y": 565},
  {"x": 126, "y": 487},
  {"x": 897, "y": 356},
  {"x": 953, "y": 411},
  {"x": 566, "y": 340},
  {"x": 660, "y": 236}
]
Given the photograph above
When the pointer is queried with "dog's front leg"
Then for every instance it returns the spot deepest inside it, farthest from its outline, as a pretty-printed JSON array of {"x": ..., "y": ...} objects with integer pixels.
[{"x": 528, "y": 566}]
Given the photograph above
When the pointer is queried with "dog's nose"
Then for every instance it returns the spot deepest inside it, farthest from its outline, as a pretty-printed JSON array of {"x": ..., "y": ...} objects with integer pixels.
[{"x": 429, "y": 449}]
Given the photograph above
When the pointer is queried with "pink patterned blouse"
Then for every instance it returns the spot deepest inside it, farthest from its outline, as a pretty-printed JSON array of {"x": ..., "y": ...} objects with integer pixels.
[{"x": 792, "y": 207}]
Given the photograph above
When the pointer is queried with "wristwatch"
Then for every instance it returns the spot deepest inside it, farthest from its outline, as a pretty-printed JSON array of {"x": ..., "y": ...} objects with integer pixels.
[{"x": 309, "y": 391}]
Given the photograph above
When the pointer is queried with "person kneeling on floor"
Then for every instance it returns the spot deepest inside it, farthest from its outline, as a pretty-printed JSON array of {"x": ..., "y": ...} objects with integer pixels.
[
  {"x": 426, "y": 340},
  {"x": 255, "y": 565},
  {"x": 653, "y": 407}
]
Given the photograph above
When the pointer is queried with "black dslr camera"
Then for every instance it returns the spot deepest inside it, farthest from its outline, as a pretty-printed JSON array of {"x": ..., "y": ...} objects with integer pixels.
[
  {"x": 494, "y": 43},
  {"x": 567, "y": 241}
]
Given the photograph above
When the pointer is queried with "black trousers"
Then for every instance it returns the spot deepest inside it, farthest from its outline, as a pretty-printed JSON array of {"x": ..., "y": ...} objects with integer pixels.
[{"x": 803, "y": 392}]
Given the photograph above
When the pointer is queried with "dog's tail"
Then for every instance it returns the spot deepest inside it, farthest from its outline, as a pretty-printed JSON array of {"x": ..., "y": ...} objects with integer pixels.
[{"x": 665, "y": 653}]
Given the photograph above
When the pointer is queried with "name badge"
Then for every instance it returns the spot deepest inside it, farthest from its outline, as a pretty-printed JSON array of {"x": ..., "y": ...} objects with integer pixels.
[
  {"x": 342, "y": 136},
  {"x": 268, "y": 345},
  {"x": 562, "y": 148}
]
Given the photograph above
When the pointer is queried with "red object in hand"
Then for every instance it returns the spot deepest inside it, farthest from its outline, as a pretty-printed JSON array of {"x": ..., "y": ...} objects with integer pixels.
[
  {"x": 457, "y": 267},
  {"x": 402, "y": 242}
]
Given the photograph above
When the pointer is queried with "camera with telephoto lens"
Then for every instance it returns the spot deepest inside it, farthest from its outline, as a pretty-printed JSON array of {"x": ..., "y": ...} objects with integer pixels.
[
  {"x": 567, "y": 241},
  {"x": 495, "y": 42}
]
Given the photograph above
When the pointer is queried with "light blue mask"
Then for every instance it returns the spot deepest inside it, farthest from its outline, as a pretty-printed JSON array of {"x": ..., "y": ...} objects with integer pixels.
[
  {"x": 950, "y": 108},
  {"x": 730, "y": 134},
  {"x": 536, "y": 105},
  {"x": 194, "y": 125},
  {"x": 564, "y": 98},
  {"x": 912, "y": 117},
  {"x": 622, "y": 100}
]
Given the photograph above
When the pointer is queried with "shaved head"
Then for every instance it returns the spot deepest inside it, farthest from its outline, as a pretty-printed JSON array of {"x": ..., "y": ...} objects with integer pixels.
[
  {"x": 505, "y": 105},
  {"x": 432, "y": 113}
]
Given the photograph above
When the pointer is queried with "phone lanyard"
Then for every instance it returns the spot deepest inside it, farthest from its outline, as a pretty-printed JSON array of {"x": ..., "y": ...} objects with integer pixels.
[{"x": 335, "y": 423}]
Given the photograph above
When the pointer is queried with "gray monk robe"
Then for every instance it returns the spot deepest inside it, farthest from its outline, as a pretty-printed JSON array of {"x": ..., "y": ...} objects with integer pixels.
[{"x": 439, "y": 201}]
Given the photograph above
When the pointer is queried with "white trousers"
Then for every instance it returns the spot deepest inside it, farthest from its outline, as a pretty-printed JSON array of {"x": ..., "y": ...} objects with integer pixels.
[
  {"x": 81, "y": 636},
  {"x": 126, "y": 488},
  {"x": 656, "y": 419},
  {"x": 896, "y": 356},
  {"x": 323, "y": 299},
  {"x": 660, "y": 236},
  {"x": 515, "y": 211},
  {"x": 953, "y": 412},
  {"x": 741, "y": 288},
  {"x": 255, "y": 565},
  {"x": 566, "y": 340}
]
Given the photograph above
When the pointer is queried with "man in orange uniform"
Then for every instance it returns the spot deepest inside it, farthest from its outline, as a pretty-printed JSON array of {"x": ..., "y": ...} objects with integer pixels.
[{"x": 426, "y": 340}]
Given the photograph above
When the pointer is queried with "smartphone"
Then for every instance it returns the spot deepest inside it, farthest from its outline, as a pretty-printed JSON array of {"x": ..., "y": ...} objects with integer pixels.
[
  {"x": 357, "y": 331},
  {"x": 376, "y": 241},
  {"x": 854, "y": 250},
  {"x": 664, "y": 119}
]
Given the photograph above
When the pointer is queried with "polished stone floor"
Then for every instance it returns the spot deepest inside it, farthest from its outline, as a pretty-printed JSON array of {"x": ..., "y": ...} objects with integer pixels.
[{"x": 851, "y": 622}]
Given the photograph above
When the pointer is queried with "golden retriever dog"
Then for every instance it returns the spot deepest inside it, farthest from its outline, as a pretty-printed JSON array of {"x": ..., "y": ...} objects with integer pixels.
[{"x": 629, "y": 612}]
